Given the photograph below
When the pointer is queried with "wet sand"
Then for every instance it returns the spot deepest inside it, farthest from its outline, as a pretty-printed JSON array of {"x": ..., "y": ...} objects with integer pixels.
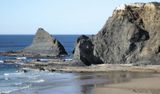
[
  {"x": 135, "y": 86},
  {"x": 85, "y": 83},
  {"x": 113, "y": 79}
]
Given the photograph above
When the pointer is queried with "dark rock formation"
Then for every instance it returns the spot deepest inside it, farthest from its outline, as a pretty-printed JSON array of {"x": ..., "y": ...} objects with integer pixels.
[
  {"x": 84, "y": 51},
  {"x": 44, "y": 45},
  {"x": 131, "y": 35}
]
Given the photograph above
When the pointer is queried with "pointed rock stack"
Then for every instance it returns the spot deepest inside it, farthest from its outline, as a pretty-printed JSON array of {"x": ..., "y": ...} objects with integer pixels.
[{"x": 44, "y": 45}]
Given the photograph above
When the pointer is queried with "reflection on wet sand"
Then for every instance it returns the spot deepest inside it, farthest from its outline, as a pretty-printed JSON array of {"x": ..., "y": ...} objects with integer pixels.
[
  {"x": 81, "y": 83},
  {"x": 88, "y": 82}
]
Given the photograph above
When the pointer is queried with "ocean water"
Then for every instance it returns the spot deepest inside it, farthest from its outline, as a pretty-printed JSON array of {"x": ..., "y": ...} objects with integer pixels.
[
  {"x": 18, "y": 42},
  {"x": 13, "y": 81},
  {"x": 10, "y": 78}
]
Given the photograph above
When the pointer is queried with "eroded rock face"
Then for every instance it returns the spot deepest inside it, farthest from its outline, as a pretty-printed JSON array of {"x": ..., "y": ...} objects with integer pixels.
[
  {"x": 131, "y": 35},
  {"x": 84, "y": 51},
  {"x": 44, "y": 45}
]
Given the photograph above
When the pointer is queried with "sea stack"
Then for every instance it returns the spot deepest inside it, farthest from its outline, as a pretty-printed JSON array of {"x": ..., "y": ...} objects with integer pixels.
[
  {"x": 130, "y": 36},
  {"x": 83, "y": 53},
  {"x": 44, "y": 45}
]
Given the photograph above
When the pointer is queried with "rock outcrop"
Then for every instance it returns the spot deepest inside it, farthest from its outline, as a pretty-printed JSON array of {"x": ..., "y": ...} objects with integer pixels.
[
  {"x": 44, "y": 45},
  {"x": 131, "y": 35},
  {"x": 83, "y": 52}
]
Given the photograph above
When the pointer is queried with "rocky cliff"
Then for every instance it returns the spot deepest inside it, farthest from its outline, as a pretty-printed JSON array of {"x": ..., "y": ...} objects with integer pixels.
[
  {"x": 45, "y": 45},
  {"x": 131, "y": 35}
]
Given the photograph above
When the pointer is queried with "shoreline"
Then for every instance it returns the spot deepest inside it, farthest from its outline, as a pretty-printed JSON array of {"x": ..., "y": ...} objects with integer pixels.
[
  {"x": 113, "y": 83},
  {"x": 71, "y": 67},
  {"x": 61, "y": 65},
  {"x": 84, "y": 82}
]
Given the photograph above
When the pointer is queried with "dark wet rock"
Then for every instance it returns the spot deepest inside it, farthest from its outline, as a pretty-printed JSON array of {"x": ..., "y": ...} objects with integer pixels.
[
  {"x": 25, "y": 71},
  {"x": 84, "y": 51},
  {"x": 130, "y": 35},
  {"x": 45, "y": 45}
]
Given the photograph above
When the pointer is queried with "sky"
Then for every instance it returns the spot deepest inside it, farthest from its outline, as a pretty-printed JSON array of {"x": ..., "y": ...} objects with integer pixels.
[{"x": 56, "y": 16}]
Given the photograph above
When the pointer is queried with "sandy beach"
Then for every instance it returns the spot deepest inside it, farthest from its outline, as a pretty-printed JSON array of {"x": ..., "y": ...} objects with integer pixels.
[
  {"x": 135, "y": 86},
  {"x": 97, "y": 83}
]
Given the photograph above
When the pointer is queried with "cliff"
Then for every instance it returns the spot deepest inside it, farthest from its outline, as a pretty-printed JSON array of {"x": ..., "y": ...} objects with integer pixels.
[{"x": 130, "y": 35}]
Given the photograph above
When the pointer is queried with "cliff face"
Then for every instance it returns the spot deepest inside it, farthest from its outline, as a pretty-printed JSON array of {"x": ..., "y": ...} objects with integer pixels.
[
  {"x": 44, "y": 45},
  {"x": 131, "y": 35}
]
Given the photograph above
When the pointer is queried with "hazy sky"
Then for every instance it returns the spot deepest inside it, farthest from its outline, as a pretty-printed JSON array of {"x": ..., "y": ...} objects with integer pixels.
[{"x": 56, "y": 16}]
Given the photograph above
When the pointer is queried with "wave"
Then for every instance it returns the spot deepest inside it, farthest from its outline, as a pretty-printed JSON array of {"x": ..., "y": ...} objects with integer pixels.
[
  {"x": 38, "y": 81},
  {"x": 1, "y": 61},
  {"x": 17, "y": 84},
  {"x": 13, "y": 74},
  {"x": 7, "y": 90},
  {"x": 14, "y": 81}
]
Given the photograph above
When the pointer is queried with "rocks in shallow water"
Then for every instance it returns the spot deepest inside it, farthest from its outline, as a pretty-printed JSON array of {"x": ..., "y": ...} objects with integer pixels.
[
  {"x": 84, "y": 51},
  {"x": 131, "y": 35},
  {"x": 44, "y": 45}
]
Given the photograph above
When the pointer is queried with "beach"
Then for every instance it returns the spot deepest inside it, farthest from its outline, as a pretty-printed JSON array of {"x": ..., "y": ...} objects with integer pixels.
[
  {"x": 96, "y": 83},
  {"x": 61, "y": 47},
  {"x": 135, "y": 86}
]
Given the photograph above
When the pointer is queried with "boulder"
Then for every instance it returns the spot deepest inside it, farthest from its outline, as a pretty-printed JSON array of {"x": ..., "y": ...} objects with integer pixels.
[
  {"x": 130, "y": 35},
  {"x": 44, "y": 45},
  {"x": 83, "y": 52}
]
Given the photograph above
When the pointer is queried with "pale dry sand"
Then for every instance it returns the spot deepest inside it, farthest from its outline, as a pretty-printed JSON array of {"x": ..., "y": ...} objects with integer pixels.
[{"x": 135, "y": 86}]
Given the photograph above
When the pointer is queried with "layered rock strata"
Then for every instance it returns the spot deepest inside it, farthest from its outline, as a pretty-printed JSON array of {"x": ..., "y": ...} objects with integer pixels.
[{"x": 130, "y": 35}]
